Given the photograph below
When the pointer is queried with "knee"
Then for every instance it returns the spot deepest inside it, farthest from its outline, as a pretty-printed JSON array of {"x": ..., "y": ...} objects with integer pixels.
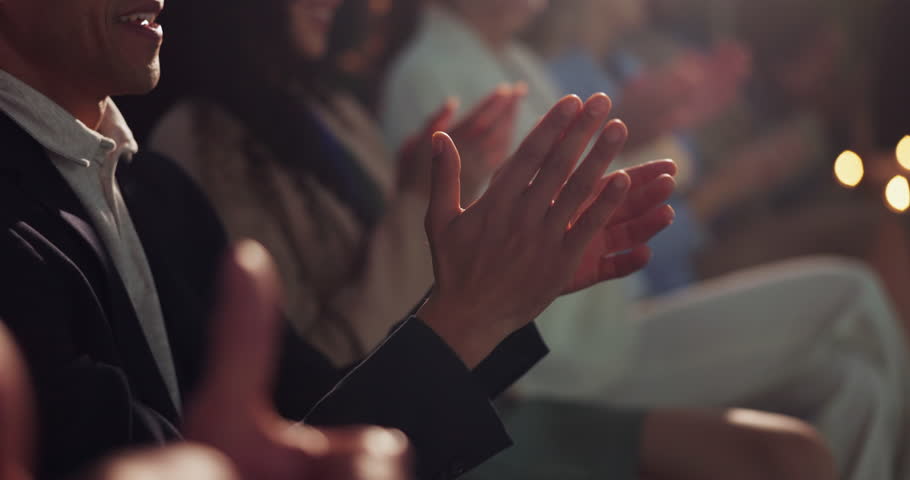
[{"x": 783, "y": 447}]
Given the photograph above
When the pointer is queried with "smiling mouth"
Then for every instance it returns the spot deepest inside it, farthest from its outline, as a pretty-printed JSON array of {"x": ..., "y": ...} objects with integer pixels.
[{"x": 144, "y": 20}]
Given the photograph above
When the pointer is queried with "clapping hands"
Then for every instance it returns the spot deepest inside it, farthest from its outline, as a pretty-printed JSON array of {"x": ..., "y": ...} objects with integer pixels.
[{"x": 543, "y": 228}]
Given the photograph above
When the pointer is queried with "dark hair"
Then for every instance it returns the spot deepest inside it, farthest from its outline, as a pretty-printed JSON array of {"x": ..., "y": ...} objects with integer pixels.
[{"x": 239, "y": 56}]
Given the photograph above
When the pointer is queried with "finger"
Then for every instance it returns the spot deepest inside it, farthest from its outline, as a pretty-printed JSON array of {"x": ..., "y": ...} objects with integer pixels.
[
  {"x": 500, "y": 122},
  {"x": 595, "y": 217},
  {"x": 483, "y": 115},
  {"x": 645, "y": 197},
  {"x": 610, "y": 268},
  {"x": 246, "y": 325},
  {"x": 441, "y": 120},
  {"x": 626, "y": 235},
  {"x": 517, "y": 173},
  {"x": 648, "y": 171},
  {"x": 361, "y": 453},
  {"x": 587, "y": 177},
  {"x": 445, "y": 197},
  {"x": 16, "y": 415},
  {"x": 564, "y": 158}
]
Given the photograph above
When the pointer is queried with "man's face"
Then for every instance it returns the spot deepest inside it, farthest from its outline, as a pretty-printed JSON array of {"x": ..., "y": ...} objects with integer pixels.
[{"x": 103, "y": 47}]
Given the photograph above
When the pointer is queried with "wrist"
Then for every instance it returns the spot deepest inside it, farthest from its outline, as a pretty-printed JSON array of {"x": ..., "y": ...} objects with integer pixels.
[{"x": 471, "y": 345}]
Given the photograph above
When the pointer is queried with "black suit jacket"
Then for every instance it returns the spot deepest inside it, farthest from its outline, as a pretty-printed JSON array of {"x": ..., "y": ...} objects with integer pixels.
[{"x": 97, "y": 386}]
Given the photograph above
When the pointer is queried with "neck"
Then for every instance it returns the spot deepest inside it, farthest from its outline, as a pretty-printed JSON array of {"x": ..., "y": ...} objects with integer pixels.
[
  {"x": 484, "y": 25},
  {"x": 87, "y": 108}
]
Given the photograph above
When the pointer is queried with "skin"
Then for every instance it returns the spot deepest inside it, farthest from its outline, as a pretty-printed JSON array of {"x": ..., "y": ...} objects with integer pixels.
[
  {"x": 310, "y": 22},
  {"x": 483, "y": 134},
  {"x": 97, "y": 55}
]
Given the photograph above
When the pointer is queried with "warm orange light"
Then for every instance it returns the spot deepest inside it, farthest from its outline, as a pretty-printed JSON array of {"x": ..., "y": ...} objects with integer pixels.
[
  {"x": 848, "y": 168},
  {"x": 897, "y": 194},
  {"x": 903, "y": 152}
]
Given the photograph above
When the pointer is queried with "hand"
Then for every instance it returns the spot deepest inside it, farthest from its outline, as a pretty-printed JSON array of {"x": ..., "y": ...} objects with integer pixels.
[
  {"x": 483, "y": 136},
  {"x": 16, "y": 422},
  {"x": 723, "y": 72},
  {"x": 543, "y": 228},
  {"x": 651, "y": 100},
  {"x": 232, "y": 410},
  {"x": 183, "y": 461}
]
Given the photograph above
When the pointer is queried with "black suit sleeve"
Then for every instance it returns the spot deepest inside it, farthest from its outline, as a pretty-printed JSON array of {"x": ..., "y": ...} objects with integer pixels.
[{"x": 414, "y": 382}]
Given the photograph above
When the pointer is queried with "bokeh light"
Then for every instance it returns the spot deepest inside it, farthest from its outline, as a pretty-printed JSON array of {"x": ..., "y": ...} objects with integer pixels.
[
  {"x": 848, "y": 168},
  {"x": 903, "y": 152},
  {"x": 897, "y": 194}
]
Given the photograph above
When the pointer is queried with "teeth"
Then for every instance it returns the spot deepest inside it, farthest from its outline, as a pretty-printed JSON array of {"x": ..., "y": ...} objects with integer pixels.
[{"x": 142, "y": 19}]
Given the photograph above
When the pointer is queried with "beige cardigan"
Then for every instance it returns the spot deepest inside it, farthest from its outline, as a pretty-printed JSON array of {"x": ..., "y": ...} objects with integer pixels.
[{"x": 210, "y": 144}]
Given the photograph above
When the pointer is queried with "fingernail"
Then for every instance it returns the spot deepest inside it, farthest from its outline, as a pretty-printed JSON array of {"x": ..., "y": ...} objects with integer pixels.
[
  {"x": 380, "y": 441},
  {"x": 614, "y": 132},
  {"x": 569, "y": 106},
  {"x": 438, "y": 143},
  {"x": 521, "y": 89},
  {"x": 598, "y": 105},
  {"x": 619, "y": 183},
  {"x": 251, "y": 255}
]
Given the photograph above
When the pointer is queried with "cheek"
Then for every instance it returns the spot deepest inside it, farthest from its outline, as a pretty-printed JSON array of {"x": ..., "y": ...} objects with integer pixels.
[{"x": 308, "y": 37}]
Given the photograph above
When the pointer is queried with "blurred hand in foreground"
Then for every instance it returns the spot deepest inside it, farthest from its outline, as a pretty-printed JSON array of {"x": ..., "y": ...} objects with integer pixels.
[{"x": 233, "y": 411}]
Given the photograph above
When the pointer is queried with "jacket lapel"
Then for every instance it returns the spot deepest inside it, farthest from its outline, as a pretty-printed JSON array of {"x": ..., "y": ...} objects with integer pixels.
[{"x": 30, "y": 167}]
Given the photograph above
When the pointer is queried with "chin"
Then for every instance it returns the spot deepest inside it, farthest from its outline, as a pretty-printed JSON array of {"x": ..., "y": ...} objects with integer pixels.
[{"x": 139, "y": 81}]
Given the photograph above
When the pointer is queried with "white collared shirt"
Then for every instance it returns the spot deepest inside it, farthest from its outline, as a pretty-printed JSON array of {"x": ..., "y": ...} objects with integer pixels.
[{"x": 88, "y": 159}]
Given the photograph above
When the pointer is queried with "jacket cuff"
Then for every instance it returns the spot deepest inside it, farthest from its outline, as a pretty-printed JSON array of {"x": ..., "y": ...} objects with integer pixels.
[{"x": 416, "y": 383}]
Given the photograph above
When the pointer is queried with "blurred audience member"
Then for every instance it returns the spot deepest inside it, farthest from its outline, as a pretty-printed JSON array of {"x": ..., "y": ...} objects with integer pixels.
[
  {"x": 292, "y": 161},
  {"x": 577, "y": 37},
  {"x": 768, "y": 329}
]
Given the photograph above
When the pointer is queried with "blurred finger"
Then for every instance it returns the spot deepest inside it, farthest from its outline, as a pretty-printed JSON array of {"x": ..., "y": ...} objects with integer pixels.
[
  {"x": 16, "y": 434},
  {"x": 610, "y": 268},
  {"x": 482, "y": 116},
  {"x": 441, "y": 120},
  {"x": 246, "y": 326}
]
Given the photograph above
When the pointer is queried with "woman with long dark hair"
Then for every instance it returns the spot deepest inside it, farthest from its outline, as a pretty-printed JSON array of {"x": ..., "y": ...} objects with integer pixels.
[{"x": 292, "y": 161}]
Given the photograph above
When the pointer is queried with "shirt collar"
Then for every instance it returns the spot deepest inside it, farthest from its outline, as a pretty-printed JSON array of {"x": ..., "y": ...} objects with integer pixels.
[{"x": 60, "y": 132}]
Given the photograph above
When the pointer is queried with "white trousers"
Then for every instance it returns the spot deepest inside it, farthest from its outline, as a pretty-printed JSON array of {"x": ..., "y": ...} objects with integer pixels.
[{"x": 813, "y": 338}]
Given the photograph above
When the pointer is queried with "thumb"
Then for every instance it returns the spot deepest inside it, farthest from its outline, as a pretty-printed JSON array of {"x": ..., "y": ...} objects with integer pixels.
[
  {"x": 445, "y": 196},
  {"x": 245, "y": 327}
]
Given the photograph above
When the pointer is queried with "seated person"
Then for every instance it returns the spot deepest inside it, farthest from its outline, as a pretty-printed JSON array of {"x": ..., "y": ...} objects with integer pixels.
[
  {"x": 740, "y": 341},
  {"x": 110, "y": 267},
  {"x": 291, "y": 161},
  {"x": 246, "y": 335}
]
